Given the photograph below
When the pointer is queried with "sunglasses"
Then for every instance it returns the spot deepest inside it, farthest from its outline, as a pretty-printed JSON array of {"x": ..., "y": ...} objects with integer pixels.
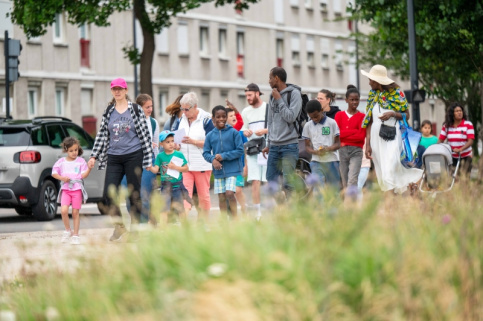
[{"x": 186, "y": 109}]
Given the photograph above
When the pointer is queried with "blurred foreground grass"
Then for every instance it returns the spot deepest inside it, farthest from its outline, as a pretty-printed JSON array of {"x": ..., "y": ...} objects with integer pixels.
[{"x": 392, "y": 258}]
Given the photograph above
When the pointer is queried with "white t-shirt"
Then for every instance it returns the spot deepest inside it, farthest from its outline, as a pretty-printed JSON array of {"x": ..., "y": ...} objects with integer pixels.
[
  {"x": 322, "y": 134},
  {"x": 254, "y": 118}
]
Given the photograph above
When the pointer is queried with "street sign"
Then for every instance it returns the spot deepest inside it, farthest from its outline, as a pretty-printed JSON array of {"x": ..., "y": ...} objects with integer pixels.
[
  {"x": 415, "y": 96},
  {"x": 418, "y": 96}
]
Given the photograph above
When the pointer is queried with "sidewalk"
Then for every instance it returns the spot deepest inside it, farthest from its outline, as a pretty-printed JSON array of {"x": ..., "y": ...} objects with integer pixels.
[{"x": 29, "y": 253}]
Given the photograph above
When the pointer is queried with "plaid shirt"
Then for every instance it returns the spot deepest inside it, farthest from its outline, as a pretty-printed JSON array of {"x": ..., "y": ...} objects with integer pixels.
[{"x": 101, "y": 145}]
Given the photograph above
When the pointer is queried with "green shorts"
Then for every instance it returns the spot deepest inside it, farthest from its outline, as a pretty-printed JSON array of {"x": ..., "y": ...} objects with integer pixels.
[{"x": 240, "y": 181}]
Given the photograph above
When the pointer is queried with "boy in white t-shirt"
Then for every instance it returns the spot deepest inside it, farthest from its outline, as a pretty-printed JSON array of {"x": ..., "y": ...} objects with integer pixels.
[{"x": 321, "y": 136}]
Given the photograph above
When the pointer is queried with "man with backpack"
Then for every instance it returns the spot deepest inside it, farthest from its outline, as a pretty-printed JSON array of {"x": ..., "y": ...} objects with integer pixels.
[{"x": 284, "y": 108}]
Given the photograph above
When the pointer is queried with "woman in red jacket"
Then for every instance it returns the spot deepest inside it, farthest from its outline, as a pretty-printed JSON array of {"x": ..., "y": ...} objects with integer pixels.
[{"x": 352, "y": 137}]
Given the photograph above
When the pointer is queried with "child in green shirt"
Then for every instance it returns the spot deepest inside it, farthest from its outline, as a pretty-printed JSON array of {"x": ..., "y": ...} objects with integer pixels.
[
  {"x": 171, "y": 163},
  {"x": 427, "y": 139}
]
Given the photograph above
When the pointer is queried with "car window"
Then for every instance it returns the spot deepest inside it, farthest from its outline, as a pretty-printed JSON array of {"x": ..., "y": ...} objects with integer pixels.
[
  {"x": 85, "y": 140},
  {"x": 55, "y": 134},
  {"x": 14, "y": 137},
  {"x": 38, "y": 136}
]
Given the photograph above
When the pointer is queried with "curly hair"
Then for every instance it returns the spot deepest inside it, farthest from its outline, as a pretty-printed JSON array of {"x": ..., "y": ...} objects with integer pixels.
[
  {"x": 68, "y": 142},
  {"x": 449, "y": 118}
]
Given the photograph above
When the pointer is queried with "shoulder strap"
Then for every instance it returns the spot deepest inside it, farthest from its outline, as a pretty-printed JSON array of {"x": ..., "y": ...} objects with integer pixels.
[
  {"x": 108, "y": 109},
  {"x": 153, "y": 125},
  {"x": 136, "y": 109}
]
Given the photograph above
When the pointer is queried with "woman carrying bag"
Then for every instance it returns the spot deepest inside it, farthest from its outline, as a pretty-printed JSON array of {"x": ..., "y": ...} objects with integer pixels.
[{"x": 385, "y": 107}]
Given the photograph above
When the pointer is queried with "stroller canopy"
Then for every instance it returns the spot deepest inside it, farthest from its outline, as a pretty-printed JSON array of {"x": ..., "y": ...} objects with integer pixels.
[{"x": 439, "y": 149}]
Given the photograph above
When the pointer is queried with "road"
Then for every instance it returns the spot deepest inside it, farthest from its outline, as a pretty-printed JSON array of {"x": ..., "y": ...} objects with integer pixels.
[{"x": 11, "y": 222}]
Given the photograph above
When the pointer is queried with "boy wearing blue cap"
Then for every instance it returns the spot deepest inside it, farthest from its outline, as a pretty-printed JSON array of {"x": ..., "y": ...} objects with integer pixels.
[{"x": 172, "y": 163}]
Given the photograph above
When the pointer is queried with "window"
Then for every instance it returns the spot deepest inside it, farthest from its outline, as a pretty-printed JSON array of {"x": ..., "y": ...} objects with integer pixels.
[
  {"x": 32, "y": 101},
  {"x": 59, "y": 101},
  {"x": 86, "y": 101},
  {"x": 337, "y": 7},
  {"x": 278, "y": 11},
  {"x": 339, "y": 55},
  {"x": 183, "y": 47},
  {"x": 325, "y": 50},
  {"x": 240, "y": 50},
  {"x": 295, "y": 50},
  {"x": 279, "y": 48},
  {"x": 204, "y": 41},
  {"x": 205, "y": 100},
  {"x": 56, "y": 135},
  {"x": 162, "y": 41},
  {"x": 310, "y": 51},
  {"x": 308, "y": 4},
  {"x": 163, "y": 102},
  {"x": 222, "y": 42},
  {"x": 58, "y": 28},
  {"x": 323, "y": 5},
  {"x": 86, "y": 142},
  {"x": 294, "y": 3},
  {"x": 84, "y": 45}
]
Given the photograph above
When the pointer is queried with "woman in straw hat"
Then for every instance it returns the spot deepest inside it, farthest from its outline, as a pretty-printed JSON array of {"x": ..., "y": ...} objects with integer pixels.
[{"x": 386, "y": 105}]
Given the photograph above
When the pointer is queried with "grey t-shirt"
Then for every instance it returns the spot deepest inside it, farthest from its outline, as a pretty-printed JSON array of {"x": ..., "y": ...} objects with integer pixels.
[
  {"x": 122, "y": 134},
  {"x": 322, "y": 134}
]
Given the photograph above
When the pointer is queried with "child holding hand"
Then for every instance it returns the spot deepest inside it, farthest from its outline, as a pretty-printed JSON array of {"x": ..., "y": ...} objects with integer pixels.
[{"x": 71, "y": 170}]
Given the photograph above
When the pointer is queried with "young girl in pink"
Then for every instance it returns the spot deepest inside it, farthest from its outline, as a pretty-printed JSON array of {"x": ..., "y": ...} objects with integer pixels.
[{"x": 71, "y": 170}]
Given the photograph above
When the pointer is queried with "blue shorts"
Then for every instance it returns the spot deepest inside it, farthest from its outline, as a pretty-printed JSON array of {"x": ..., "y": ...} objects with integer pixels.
[
  {"x": 173, "y": 197},
  {"x": 225, "y": 184}
]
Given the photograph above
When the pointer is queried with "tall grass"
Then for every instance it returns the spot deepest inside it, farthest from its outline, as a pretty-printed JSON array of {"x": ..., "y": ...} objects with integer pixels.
[{"x": 392, "y": 258}]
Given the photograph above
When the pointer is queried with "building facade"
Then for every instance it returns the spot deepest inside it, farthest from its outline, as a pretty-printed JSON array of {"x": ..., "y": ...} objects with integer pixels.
[{"x": 214, "y": 52}]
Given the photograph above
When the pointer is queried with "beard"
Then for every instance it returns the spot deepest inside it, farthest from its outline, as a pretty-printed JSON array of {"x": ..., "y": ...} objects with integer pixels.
[{"x": 255, "y": 101}]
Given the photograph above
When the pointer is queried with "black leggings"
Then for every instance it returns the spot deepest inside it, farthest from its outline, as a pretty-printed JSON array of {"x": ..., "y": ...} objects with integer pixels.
[
  {"x": 465, "y": 165},
  {"x": 131, "y": 166}
]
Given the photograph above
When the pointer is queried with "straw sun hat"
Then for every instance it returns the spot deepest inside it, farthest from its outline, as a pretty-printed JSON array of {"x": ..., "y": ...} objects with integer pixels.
[{"x": 378, "y": 73}]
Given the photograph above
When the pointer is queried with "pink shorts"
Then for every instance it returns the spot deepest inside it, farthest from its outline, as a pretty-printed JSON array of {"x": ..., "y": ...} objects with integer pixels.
[{"x": 71, "y": 197}]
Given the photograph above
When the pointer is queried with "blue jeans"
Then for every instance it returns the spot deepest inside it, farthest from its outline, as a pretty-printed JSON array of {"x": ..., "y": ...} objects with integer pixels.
[
  {"x": 282, "y": 161},
  {"x": 327, "y": 173}
]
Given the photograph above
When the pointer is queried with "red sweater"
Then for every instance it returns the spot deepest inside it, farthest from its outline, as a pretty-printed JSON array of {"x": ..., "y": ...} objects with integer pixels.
[
  {"x": 351, "y": 131},
  {"x": 239, "y": 122}
]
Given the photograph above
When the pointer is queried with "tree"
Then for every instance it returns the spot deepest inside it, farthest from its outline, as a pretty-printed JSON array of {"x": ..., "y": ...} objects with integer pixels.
[
  {"x": 449, "y": 45},
  {"x": 153, "y": 15}
]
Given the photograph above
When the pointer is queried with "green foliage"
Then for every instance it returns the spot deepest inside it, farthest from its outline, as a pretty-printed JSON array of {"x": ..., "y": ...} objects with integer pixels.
[
  {"x": 449, "y": 45},
  {"x": 391, "y": 259}
]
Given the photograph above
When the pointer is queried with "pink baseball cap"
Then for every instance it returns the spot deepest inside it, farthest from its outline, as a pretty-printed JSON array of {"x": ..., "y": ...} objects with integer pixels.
[{"x": 119, "y": 82}]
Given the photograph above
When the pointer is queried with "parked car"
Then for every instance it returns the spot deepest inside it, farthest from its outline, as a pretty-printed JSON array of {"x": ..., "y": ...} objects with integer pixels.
[{"x": 28, "y": 150}]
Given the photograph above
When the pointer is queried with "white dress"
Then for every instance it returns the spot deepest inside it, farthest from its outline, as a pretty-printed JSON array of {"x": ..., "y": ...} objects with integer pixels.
[{"x": 391, "y": 175}]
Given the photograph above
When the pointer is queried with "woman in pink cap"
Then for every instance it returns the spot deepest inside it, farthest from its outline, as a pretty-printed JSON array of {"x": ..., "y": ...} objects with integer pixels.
[{"x": 123, "y": 144}]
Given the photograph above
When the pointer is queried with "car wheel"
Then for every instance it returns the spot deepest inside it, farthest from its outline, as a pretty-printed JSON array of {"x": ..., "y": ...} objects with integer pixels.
[
  {"x": 102, "y": 207},
  {"x": 46, "y": 208},
  {"x": 23, "y": 211}
]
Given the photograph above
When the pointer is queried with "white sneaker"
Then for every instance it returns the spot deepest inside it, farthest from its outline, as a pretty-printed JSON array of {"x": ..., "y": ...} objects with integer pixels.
[
  {"x": 75, "y": 240},
  {"x": 66, "y": 236}
]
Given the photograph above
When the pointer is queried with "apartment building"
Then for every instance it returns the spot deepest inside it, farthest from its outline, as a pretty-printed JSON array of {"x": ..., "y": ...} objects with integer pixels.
[{"x": 213, "y": 51}]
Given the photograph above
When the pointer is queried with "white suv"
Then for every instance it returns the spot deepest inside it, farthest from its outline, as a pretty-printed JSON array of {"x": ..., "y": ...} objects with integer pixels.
[{"x": 28, "y": 150}]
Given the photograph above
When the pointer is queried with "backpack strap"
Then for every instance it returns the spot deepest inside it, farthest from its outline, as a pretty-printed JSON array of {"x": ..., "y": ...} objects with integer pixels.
[{"x": 153, "y": 125}]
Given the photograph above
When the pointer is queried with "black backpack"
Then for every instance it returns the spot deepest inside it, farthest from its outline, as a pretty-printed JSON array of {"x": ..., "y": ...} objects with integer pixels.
[{"x": 303, "y": 116}]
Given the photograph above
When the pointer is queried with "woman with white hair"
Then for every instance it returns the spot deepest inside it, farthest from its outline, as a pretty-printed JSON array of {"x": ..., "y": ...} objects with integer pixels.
[
  {"x": 386, "y": 105},
  {"x": 197, "y": 124}
]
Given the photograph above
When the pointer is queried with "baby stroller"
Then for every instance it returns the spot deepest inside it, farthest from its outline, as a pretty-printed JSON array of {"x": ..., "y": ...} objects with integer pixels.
[{"x": 438, "y": 172}]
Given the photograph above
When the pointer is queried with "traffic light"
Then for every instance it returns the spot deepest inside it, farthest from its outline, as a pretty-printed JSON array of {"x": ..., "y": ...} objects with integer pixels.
[{"x": 14, "y": 49}]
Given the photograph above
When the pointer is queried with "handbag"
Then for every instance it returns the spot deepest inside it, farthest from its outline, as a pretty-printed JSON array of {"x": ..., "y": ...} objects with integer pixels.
[
  {"x": 254, "y": 146},
  {"x": 410, "y": 139},
  {"x": 386, "y": 132}
]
